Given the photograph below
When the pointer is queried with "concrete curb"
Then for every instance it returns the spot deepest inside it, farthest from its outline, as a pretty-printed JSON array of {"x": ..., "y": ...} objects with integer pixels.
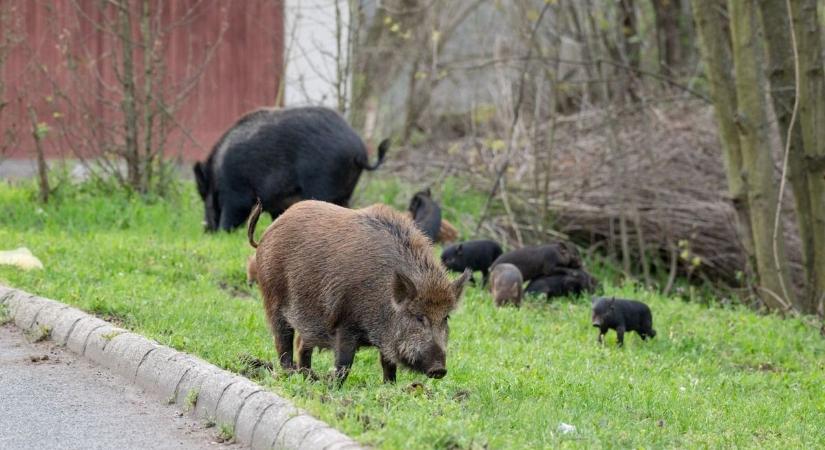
[{"x": 259, "y": 418}]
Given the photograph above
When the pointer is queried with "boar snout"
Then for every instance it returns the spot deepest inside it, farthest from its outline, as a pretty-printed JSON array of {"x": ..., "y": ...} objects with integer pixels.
[
  {"x": 597, "y": 321},
  {"x": 437, "y": 372}
]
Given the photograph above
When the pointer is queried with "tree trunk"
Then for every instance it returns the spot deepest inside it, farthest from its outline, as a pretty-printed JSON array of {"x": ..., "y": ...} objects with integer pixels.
[
  {"x": 752, "y": 122},
  {"x": 375, "y": 54},
  {"x": 42, "y": 169},
  {"x": 812, "y": 120},
  {"x": 775, "y": 20},
  {"x": 127, "y": 105},
  {"x": 629, "y": 32},
  {"x": 668, "y": 35},
  {"x": 713, "y": 42}
]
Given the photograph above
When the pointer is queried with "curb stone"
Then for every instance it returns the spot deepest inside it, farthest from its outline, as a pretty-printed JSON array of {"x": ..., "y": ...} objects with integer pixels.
[{"x": 261, "y": 419}]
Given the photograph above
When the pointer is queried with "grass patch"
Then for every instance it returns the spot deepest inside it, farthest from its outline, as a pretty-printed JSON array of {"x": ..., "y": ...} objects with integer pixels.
[
  {"x": 191, "y": 400},
  {"x": 38, "y": 334},
  {"x": 715, "y": 376},
  {"x": 5, "y": 315},
  {"x": 226, "y": 433}
]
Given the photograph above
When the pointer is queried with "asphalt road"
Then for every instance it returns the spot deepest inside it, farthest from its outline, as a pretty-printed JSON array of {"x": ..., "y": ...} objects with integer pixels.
[{"x": 51, "y": 399}]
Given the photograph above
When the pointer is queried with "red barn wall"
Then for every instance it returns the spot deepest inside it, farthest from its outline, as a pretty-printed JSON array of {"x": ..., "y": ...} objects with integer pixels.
[{"x": 244, "y": 73}]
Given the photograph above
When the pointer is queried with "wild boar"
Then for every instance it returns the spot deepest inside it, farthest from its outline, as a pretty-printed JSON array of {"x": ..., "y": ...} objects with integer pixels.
[
  {"x": 446, "y": 233},
  {"x": 426, "y": 214},
  {"x": 346, "y": 279},
  {"x": 562, "y": 283},
  {"x": 473, "y": 255},
  {"x": 251, "y": 271},
  {"x": 543, "y": 260},
  {"x": 622, "y": 315},
  {"x": 506, "y": 284},
  {"x": 281, "y": 156}
]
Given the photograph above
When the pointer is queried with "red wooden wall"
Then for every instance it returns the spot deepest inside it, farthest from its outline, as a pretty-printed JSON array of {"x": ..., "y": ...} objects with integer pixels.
[{"x": 244, "y": 73}]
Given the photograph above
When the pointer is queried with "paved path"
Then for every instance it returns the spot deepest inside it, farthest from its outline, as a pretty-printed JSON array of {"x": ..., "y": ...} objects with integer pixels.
[{"x": 51, "y": 399}]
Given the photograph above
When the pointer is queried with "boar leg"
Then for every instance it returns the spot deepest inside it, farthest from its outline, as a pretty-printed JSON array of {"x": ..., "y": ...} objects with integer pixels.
[
  {"x": 234, "y": 213},
  {"x": 284, "y": 337},
  {"x": 620, "y": 335},
  {"x": 345, "y": 347},
  {"x": 389, "y": 369},
  {"x": 485, "y": 275},
  {"x": 305, "y": 359},
  {"x": 600, "y": 339}
]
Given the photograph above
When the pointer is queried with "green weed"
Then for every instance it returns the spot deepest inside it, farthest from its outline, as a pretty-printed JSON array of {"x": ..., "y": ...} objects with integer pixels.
[{"x": 715, "y": 375}]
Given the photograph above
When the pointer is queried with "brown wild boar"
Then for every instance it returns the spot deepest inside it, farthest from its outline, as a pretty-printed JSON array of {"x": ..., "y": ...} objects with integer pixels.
[
  {"x": 507, "y": 285},
  {"x": 346, "y": 279},
  {"x": 251, "y": 271}
]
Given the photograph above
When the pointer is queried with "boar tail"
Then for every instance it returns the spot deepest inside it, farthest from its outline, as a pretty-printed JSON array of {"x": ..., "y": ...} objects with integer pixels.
[
  {"x": 382, "y": 152},
  {"x": 253, "y": 220}
]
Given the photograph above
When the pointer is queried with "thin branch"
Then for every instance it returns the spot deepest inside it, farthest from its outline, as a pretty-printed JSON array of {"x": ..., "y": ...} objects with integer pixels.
[
  {"x": 788, "y": 137},
  {"x": 516, "y": 110}
]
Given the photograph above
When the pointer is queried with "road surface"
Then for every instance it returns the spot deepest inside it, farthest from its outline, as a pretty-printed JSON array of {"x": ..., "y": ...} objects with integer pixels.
[{"x": 51, "y": 399}]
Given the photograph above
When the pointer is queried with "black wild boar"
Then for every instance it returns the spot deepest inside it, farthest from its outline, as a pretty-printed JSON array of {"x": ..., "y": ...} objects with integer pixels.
[
  {"x": 543, "y": 260},
  {"x": 426, "y": 214},
  {"x": 507, "y": 285},
  {"x": 473, "y": 255},
  {"x": 563, "y": 283},
  {"x": 281, "y": 156},
  {"x": 346, "y": 279},
  {"x": 622, "y": 315}
]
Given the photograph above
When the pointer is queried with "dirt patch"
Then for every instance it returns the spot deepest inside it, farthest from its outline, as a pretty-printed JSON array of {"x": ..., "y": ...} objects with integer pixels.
[
  {"x": 234, "y": 290},
  {"x": 760, "y": 367}
]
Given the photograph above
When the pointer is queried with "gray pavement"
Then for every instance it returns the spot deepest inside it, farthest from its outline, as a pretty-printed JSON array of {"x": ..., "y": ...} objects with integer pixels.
[{"x": 52, "y": 399}]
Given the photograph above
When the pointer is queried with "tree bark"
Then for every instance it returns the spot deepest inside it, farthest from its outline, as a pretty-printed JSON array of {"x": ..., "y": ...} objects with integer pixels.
[
  {"x": 629, "y": 32},
  {"x": 713, "y": 42},
  {"x": 127, "y": 104},
  {"x": 42, "y": 169},
  {"x": 775, "y": 21},
  {"x": 752, "y": 125},
  {"x": 812, "y": 121},
  {"x": 375, "y": 55},
  {"x": 668, "y": 35}
]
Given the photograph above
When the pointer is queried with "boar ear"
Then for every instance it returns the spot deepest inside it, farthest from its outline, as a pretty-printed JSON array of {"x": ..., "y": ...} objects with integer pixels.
[
  {"x": 459, "y": 250},
  {"x": 413, "y": 205},
  {"x": 427, "y": 192},
  {"x": 458, "y": 284},
  {"x": 403, "y": 289}
]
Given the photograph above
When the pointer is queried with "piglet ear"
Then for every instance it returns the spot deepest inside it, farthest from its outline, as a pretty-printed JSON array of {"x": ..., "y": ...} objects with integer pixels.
[
  {"x": 458, "y": 284},
  {"x": 403, "y": 289}
]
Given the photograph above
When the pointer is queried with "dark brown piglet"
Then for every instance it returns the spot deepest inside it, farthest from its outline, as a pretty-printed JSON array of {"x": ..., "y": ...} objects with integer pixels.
[
  {"x": 563, "y": 283},
  {"x": 346, "y": 279},
  {"x": 542, "y": 260},
  {"x": 622, "y": 315},
  {"x": 426, "y": 214}
]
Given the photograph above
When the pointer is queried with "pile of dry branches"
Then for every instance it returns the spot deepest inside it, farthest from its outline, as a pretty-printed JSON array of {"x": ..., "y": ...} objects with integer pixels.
[{"x": 645, "y": 185}]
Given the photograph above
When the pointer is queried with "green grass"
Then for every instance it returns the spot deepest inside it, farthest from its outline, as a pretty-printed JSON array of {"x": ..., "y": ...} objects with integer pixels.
[{"x": 713, "y": 377}]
